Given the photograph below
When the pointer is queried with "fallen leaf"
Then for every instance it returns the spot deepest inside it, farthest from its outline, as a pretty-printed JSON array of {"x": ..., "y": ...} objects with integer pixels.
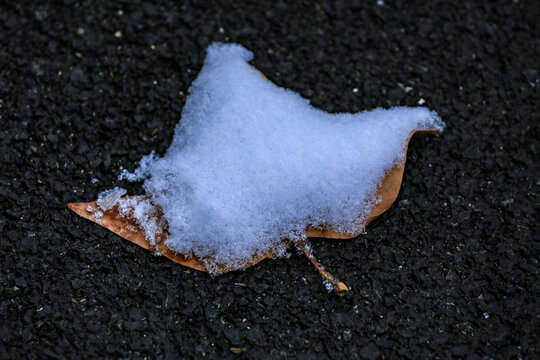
[{"x": 126, "y": 227}]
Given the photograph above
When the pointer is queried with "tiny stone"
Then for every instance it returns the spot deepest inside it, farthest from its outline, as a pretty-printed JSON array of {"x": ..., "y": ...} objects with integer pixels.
[{"x": 369, "y": 351}]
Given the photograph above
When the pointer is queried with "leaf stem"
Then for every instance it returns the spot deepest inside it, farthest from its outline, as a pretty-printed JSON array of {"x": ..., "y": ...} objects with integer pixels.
[{"x": 339, "y": 287}]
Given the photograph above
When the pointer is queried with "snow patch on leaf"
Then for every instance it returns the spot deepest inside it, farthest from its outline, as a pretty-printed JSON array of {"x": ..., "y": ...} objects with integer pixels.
[{"x": 252, "y": 164}]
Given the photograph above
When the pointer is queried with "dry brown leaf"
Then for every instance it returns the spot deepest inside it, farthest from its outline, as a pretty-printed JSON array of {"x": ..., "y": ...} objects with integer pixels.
[{"x": 127, "y": 228}]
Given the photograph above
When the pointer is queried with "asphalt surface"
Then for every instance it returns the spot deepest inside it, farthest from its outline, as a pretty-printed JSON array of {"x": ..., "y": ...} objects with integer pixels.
[{"x": 451, "y": 270}]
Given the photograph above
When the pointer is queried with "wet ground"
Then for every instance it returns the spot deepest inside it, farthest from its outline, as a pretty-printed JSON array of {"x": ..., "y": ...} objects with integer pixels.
[{"x": 451, "y": 270}]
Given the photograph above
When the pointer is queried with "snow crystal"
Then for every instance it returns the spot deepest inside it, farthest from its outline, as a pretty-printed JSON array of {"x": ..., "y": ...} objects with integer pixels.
[
  {"x": 109, "y": 198},
  {"x": 141, "y": 209},
  {"x": 138, "y": 208},
  {"x": 328, "y": 285},
  {"x": 98, "y": 215},
  {"x": 251, "y": 164}
]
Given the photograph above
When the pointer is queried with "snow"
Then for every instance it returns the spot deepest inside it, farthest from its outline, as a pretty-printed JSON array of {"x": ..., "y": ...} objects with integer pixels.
[
  {"x": 109, "y": 198},
  {"x": 141, "y": 209},
  {"x": 138, "y": 208},
  {"x": 329, "y": 287},
  {"x": 251, "y": 164}
]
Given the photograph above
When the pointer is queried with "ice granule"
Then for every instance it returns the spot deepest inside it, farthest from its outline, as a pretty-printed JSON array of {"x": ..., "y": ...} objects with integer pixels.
[
  {"x": 143, "y": 211},
  {"x": 98, "y": 214},
  {"x": 328, "y": 285},
  {"x": 251, "y": 164},
  {"x": 109, "y": 198}
]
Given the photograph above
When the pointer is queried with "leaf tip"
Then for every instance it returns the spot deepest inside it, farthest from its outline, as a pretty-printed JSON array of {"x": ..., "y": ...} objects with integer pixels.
[
  {"x": 80, "y": 209},
  {"x": 75, "y": 207}
]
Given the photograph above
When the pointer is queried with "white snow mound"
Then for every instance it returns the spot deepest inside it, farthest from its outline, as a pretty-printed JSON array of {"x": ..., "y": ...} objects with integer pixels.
[{"x": 252, "y": 163}]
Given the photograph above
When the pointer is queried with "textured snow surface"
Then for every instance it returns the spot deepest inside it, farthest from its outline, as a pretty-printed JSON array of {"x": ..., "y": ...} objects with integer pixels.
[{"x": 252, "y": 164}]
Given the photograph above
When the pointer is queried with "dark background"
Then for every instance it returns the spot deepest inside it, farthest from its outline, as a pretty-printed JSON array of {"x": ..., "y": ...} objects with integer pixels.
[{"x": 87, "y": 88}]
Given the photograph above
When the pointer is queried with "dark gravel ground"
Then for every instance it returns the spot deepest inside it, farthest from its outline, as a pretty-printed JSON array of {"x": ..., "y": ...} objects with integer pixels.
[{"x": 88, "y": 88}]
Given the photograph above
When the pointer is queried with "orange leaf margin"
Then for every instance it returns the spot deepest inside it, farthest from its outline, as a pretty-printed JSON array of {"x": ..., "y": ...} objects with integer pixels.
[{"x": 128, "y": 229}]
